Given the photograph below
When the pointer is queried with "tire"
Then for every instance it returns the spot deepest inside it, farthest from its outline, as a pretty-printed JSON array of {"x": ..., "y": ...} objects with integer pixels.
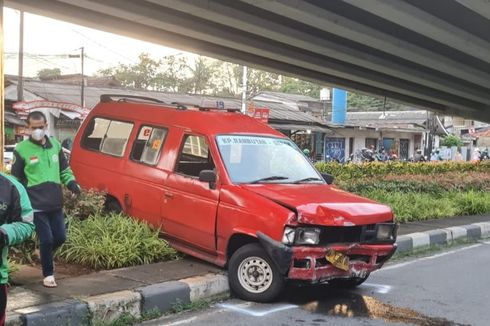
[
  {"x": 253, "y": 276},
  {"x": 112, "y": 206},
  {"x": 349, "y": 283}
]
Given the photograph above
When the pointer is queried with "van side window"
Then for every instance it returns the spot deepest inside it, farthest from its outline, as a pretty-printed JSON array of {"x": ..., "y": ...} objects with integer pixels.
[
  {"x": 147, "y": 146},
  {"x": 107, "y": 136},
  {"x": 194, "y": 157}
]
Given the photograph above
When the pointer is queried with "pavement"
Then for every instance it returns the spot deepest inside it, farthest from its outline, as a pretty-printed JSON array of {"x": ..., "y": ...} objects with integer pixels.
[{"x": 103, "y": 296}]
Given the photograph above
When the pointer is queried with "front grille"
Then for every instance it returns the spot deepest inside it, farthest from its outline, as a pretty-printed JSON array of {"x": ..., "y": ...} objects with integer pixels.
[{"x": 347, "y": 234}]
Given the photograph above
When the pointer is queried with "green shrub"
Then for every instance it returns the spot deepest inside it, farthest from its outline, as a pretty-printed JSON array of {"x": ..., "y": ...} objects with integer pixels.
[
  {"x": 113, "y": 241},
  {"x": 89, "y": 203},
  {"x": 413, "y": 206},
  {"x": 472, "y": 203},
  {"x": 373, "y": 169},
  {"x": 450, "y": 181}
]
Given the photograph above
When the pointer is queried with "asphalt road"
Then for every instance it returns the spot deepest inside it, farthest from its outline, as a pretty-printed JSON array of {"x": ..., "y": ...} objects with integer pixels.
[{"x": 444, "y": 289}]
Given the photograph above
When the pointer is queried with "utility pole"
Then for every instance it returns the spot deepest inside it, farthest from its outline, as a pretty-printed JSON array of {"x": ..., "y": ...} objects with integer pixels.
[
  {"x": 82, "y": 56},
  {"x": 244, "y": 90},
  {"x": 20, "y": 75}
]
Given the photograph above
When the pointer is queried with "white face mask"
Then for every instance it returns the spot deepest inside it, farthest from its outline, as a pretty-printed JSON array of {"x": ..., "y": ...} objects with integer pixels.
[{"x": 38, "y": 134}]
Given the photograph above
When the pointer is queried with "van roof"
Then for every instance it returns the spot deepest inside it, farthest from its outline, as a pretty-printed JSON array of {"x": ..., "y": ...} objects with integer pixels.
[{"x": 210, "y": 122}]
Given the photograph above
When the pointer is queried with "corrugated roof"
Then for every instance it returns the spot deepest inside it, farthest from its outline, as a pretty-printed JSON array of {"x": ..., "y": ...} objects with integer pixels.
[{"x": 71, "y": 94}]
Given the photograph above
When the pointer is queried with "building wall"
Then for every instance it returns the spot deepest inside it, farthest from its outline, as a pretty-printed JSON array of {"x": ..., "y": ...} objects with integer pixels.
[{"x": 361, "y": 135}]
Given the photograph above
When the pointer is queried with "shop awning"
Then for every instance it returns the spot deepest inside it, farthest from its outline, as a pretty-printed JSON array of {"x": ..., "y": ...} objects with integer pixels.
[
  {"x": 313, "y": 128},
  {"x": 12, "y": 118}
]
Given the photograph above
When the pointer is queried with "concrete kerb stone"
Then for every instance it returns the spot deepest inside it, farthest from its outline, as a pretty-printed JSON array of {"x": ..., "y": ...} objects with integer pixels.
[
  {"x": 109, "y": 306},
  {"x": 439, "y": 237},
  {"x": 404, "y": 244},
  {"x": 206, "y": 286},
  {"x": 163, "y": 296},
  {"x": 457, "y": 233},
  {"x": 473, "y": 232},
  {"x": 419, "y": 240},
  {"x": 13, "y": 319},
  {"x": 485, "y": 229},
  {"x": 68, "y": 312}
]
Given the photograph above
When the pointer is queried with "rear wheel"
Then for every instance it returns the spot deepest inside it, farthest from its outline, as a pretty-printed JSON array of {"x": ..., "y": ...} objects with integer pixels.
[
  {"x": 253, "y": 275},
  {"x": 348, "y": 283},
  {"x": 112, "y": 205}
]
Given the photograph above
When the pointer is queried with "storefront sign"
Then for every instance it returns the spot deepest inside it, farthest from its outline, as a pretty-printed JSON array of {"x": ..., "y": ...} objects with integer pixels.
[{"x": 261, "y": 114}]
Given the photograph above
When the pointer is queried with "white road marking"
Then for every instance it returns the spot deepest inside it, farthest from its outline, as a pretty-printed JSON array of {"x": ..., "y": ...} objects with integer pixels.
[
  {"x": 426, "y": 258},
  {"x": 180, "y": 322},
  {"x": 379, "y": 288},
  {"x": 248, "y": 309}
]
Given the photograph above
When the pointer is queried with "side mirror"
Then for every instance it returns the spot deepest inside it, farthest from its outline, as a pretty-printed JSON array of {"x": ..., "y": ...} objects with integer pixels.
[
  {"x": 328, "y": 178},
  {"x": 208, "y": 176}
]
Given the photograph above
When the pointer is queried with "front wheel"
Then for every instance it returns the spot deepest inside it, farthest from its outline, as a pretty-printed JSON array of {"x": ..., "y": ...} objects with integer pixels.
[{"x": 253, "y": 276}]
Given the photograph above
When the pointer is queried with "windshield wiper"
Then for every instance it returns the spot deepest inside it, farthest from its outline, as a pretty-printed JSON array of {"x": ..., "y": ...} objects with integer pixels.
[
  {"x": 307, "y": 179},
  {"x": 271, "y": 178}
]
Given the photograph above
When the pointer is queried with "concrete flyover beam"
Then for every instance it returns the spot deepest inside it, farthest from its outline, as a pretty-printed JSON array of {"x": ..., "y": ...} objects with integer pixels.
[
  {"x": 421, "y": 22},
  {"x": 184, "y": 24},
  {"x": 229, "y": 14},
  {"x": 330, "y": 22},
  {"x": 481, "y": 7},
  {"x": 246, "y": 48}
]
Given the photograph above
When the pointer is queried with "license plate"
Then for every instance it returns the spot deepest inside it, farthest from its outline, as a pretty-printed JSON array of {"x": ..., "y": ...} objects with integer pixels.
[{"x": 337, "y": 259}]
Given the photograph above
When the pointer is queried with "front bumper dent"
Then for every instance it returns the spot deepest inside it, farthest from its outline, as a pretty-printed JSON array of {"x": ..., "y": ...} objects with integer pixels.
[{"x": 309, "y": 264}]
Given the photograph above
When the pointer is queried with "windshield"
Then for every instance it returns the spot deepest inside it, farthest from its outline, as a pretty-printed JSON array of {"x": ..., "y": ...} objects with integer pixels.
[{"x": 255, "y": 159}]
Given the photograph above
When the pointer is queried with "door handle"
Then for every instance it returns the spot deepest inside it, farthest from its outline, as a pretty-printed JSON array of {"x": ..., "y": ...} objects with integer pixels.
[{"x": 169, "y": 195}]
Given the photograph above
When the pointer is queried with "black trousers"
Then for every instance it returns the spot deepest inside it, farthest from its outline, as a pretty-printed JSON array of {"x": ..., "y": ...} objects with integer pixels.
[{"x": 3, "y": 303}]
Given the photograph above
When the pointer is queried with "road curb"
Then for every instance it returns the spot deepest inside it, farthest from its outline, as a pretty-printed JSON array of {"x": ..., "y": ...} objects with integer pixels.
[
  {"x": 160, "y": 297},
  {"x": 423, "y": 240},
  {"x": 164, "y": 297}
]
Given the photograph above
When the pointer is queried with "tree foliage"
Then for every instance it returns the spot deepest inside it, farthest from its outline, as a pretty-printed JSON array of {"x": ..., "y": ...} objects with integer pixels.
[
  {"x": 202, "y": 75},
  {"x": 451, "y": 140},
  {"x": 48, "y": 73},
  {"x": 360, "y": 102}
]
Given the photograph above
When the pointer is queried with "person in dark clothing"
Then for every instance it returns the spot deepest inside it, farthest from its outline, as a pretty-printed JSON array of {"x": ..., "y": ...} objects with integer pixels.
[
  {"x": 40, "y": 164},
  {"x": 15, "y": 226}
]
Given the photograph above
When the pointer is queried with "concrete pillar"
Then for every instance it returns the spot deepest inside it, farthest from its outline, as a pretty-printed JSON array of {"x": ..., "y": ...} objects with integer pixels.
[{"x": 2, "y": 90}]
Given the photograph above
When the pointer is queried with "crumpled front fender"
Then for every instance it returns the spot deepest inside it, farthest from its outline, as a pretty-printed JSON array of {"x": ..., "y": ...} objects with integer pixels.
[{"x": 280, "y": 254}]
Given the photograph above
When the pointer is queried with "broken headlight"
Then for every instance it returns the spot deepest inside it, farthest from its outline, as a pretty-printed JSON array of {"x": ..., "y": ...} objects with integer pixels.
[
  {"x": 386, "y": 232},
  {"x": 301, "y": 236}
]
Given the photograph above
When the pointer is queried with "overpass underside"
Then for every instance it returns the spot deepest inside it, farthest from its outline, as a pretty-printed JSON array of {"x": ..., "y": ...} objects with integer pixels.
[{"x": 433, "y": 54}]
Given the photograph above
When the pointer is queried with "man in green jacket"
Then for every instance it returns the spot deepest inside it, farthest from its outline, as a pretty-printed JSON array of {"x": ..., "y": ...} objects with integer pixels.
[
  {"x": 40, "y": 164},
  {"x": 15, "y": 226}
]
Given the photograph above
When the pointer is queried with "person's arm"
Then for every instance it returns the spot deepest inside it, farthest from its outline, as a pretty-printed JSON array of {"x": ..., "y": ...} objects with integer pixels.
[
  {"x": 19, "y": 226},
  {"x": 66, "y": 175},
  {"x": 17, "y": 169}
]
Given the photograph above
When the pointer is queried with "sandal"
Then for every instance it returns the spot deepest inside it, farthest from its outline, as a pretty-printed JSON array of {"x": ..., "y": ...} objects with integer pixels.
[{"x": 49, "y": 282}]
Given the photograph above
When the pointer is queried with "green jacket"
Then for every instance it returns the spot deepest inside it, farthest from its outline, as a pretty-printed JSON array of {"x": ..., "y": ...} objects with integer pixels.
[
  {"x": 42, "y": 169},
  {"x": 15, "y": 218}
]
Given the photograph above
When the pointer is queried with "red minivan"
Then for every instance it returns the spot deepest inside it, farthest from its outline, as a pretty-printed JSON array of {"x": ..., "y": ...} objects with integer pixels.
[{"x": 228, "y": 189}]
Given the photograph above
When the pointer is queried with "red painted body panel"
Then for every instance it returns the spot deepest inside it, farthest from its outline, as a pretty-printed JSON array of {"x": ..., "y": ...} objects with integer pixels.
[
  {"x": 199, "y": 220},
  {"x": 322, "y": 204}
]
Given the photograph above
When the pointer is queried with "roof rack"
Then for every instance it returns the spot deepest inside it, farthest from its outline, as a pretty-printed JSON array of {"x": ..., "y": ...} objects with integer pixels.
[{"x": 122, "y": 98}]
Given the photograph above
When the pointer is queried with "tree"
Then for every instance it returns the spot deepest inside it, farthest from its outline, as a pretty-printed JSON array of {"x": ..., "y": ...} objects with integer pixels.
[
  {"x": 452, "y": 140},
  {"x": 140, "y": 75},
  {"x": 298, "y": 86},
  {"x": 360, "y": 102},
  {"x": 49, "y": 73}
]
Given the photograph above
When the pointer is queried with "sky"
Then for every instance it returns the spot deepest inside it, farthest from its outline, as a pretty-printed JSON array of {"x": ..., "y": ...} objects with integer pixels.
[{"x": 48, "y": 42}]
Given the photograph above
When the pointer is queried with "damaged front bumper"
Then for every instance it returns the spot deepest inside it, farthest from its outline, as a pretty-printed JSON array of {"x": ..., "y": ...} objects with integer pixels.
[{"x": 309, "y": 264}]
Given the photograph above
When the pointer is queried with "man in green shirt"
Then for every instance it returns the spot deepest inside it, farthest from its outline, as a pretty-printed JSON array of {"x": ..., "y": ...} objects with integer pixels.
[
  {"x": 40, "y": 164},
  {"x": 15, "y": 226}
]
